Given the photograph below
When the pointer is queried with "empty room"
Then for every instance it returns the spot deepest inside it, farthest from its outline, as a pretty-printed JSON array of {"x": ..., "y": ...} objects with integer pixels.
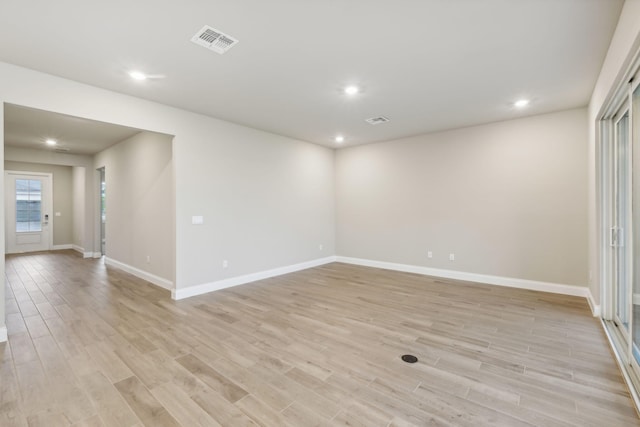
[{"x": 305, "y": 213}]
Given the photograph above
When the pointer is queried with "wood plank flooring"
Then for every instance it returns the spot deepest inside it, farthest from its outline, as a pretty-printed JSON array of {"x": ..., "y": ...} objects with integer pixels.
[{"x": 93, "y": 346}]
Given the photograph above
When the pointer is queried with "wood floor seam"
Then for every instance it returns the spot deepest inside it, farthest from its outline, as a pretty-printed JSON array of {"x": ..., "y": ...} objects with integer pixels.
[{"x": 94, "y": 346}]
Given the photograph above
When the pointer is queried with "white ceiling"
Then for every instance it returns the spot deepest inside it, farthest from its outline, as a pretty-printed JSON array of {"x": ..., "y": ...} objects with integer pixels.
[
  {"x": 426, "y": 65},
  {"x": 30, "y": 128}
]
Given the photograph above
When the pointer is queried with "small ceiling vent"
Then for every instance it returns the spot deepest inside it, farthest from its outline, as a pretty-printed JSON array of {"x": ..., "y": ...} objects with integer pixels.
[
  {"x": 214, "y": 40},
  {"x": 377, "y": 120},
  {"x": 61, "y": 149}
]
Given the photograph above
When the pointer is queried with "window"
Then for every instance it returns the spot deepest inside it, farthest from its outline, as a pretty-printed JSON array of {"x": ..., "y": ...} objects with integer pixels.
[{"x": 28, "y": 205}]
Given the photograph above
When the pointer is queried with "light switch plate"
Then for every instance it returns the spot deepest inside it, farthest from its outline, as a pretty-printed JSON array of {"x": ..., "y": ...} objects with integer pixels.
[{"x": 197, "y": 220}]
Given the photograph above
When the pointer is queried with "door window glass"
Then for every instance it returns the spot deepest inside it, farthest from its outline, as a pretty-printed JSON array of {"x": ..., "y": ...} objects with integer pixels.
[{"x": 28, "y": 205}]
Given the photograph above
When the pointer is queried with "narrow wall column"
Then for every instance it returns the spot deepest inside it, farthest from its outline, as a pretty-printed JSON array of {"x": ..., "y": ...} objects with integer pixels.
[{"x": 3, "y": 328}]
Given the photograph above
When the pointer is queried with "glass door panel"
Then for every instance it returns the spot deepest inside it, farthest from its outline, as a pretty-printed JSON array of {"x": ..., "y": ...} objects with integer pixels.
[
  {"x": 620, "y": 214},
  {"x": 635, "y": 294},
  {"x": 28, "y": 205},
  {"x": 621, "y": 219}
]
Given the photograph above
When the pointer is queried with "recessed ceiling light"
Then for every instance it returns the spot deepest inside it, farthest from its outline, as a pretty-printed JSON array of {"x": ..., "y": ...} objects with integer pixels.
[
  {"x": 51, "y": 142},
  {"x": 137, "y": 75},
  {"x": 521, "y": 103},
  {"x": 351, "y": 90},
  {"x": 339, "y": 139}
]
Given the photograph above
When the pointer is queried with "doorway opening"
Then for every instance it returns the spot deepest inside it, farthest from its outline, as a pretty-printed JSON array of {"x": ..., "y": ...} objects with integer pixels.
[{"x": 103, "y": 211}]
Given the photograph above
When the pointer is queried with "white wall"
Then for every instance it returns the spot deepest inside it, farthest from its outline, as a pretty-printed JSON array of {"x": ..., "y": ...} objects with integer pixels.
[
  {"x": 624, "y": 44},
  {"x": 507, "y": 198},
  {"x": 62, "y": 197},
  {"x": 139, "y": 203},
  {"x": 267, "y": 200}
]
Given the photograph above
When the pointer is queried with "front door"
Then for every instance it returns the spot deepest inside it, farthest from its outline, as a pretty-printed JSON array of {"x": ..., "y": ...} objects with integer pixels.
[{"x": 27, "y": 212}]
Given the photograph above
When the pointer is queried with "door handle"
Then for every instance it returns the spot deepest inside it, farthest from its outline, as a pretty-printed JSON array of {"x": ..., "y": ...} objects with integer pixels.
[{"x": 616, "y": 237}]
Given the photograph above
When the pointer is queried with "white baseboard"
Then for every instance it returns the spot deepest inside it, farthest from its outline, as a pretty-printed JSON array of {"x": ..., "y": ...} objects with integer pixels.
[
  {"x": 3, "y": 334},
  {"x": 191, "y": 291},
  {"x": 86, "y": 254},
  {"x": 533, "y": 285},
  {"x": 62, "y": 247},
  {"x": 556, "y": 288},
  {"x": 595, "y": 308},
  {"x": 82, "y": 251},
  {"x": 156, "y": 280}
]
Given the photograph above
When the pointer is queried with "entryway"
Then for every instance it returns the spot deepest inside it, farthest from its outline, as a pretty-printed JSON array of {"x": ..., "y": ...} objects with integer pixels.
[{"x": 28, "y": 218}]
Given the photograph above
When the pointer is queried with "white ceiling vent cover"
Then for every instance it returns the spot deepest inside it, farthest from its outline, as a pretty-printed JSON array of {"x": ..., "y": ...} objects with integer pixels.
[
  {"x": 214, "y": 40},
  {"x": 377, "y": 120}
]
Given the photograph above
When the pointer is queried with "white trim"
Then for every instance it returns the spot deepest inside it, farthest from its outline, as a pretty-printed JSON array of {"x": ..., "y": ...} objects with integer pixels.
[
  {"x": 191, "y": 291},
  {"x": 636, "y": 299},
  {"x": 61, "y": 247},
  {"x": 3, "y": 334},
  {"x": 85, "y": 254},
  {"x": 595, "y": 308},
  {"x": 156, "y": 280},
  {"x": 556, "y": 288}
]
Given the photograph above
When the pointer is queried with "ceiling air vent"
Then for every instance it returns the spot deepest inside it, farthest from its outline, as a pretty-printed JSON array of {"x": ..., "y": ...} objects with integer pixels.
[
  {"x": 61, "y": 149},
  {"x": 377, "y": 120},
  {"x": 214, "y": 40}
]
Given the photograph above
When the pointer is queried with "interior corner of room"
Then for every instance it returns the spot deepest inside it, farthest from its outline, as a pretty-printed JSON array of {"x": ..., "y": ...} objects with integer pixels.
[{"x": 194, "y": 203}]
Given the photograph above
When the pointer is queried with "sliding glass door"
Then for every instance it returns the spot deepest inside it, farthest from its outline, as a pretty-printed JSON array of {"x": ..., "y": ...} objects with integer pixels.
[
  {"x": 634, "y": 292},
  {"x": 621, "y": 219},
  {"x": 620, "y": 228}
]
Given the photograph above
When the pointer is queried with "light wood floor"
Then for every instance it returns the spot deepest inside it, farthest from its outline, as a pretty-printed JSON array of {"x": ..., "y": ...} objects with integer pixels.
[{"x": 93, "y": 346}]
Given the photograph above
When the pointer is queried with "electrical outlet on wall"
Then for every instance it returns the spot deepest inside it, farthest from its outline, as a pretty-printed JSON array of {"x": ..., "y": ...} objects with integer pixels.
[
  {"x": 320, "y": 246},
  {"x": 148, "y": 259},
  {"x": 452, "y": 257},
  {"x": 225, "y": 264},
  {"x": 429, "y": 254}
]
